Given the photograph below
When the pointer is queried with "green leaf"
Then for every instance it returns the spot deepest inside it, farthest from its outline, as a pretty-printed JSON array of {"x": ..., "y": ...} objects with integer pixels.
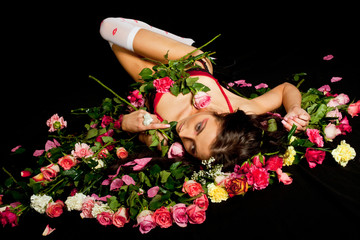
[
  {"x": 319, "y": 114},
  {"x": 146, "y": 74},
  {"x": 175, "y": 90},
  {"x": 191, "y": 80},
  {"x": 113, "y": 203},
  {"x": 164, "y": 175},
  {"x": 272, "y": 126},
  {"x": 92, "y": 133},
  {"x": 107, "y": 139},
  {"x": 175, "y": 165}
]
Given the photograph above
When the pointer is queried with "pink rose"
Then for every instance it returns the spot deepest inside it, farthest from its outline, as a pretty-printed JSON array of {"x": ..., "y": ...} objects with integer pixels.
[
  {"x": 202, "y": 202},
  {"x": 121, "y": 217},
  {"x": 201, "y": 100},
  {"x": 274, "y": 163},
  {"x": 87, "y": 206},
  {"x": 50, "y": 171},
  {"x": 145, "y": 221},
  {"x": 163, "y": 85},
  {"x": 192, "y": 188},
  {"x": 335, "y": 114},
  {"x": 315, "y": 137},
  {"x": 314, "y": 157},
  {"x": 56, "y": 123},
  {"x": 179, "y": 214},
  {"x": 162, "y": 217},
  {"x": 354, "y": 109},
  {"x": 340, "y": 99},
  {"x": 121, "y": 153},
  {"x": 67, "y": 162},
  {"x": 176, "y": 150},
  {"x": 331, "y": 131},
  {"x": 258, "y": 177},
  {"x": 283, "y": 177},
  {"x": 82, "y": 150},
  {"x": 104, "y": 218},
  {"x": 196, "y": 214},
  {"x": 55, "y": 209}
]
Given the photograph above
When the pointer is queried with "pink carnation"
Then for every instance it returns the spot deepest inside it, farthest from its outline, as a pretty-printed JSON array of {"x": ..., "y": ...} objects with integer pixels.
[
  {"x": 136, "y": 98},
  {"x": 163, "y": 85},
  {"x": 82, "y": 150},
  {"x": 56, "y": 122},
  {"x": 315, "y": 137}
]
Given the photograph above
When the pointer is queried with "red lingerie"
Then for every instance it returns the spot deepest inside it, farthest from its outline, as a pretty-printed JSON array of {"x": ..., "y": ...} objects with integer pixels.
[{"x": 194, "y": 73}]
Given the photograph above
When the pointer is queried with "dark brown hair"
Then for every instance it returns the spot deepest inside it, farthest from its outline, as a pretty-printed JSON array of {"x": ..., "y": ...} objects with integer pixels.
[{"x": 242, "y": 136}]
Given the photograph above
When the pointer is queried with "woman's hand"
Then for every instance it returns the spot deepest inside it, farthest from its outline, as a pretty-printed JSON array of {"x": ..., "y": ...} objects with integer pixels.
[
  {"x": 297, "y": 116},
  {"x": 134, "y": 122}
]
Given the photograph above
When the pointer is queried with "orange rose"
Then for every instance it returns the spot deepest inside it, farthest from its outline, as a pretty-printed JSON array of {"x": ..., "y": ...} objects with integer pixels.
[
  {"x": 121, "y": 153},
  {"x": 55, "y": 209},
  {"x": 236, "y": 186}
]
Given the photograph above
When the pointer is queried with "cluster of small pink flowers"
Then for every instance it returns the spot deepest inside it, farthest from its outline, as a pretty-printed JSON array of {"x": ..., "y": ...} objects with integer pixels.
[{"x": 136, "y": 98}]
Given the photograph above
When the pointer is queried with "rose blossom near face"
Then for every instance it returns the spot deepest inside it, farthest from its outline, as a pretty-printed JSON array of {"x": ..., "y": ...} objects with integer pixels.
[{"x": 198, "y": 132}]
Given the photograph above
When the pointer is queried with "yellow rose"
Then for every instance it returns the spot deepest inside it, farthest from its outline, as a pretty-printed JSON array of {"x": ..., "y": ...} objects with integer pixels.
[
  {"x": 217, "y": 193},
  {"x": 343, "y": 153}
]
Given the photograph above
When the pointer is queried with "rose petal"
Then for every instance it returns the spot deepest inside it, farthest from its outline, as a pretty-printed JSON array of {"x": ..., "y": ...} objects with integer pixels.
[
  {"x": 38, "y": 153},
  {"x": 128, "y": 180},
  {"x": 48, "y": 230},
  {"x": 152, "y": 191},
  {"x": 116, "y": 184},
  {"x": 328, "y": 57},
  {"x": 335, "y": 79}
]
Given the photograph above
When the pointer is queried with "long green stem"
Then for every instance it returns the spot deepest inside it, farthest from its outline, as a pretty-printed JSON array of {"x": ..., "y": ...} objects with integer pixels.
[
  {"x": 189, "y": 54},
  {"x": 110, "y": 90}
]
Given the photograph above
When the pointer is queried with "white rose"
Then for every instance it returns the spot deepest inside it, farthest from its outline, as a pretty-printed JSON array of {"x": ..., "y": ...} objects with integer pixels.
[
  {"x": 75, "y": 202},
  {"x": 39, "y": 202}
]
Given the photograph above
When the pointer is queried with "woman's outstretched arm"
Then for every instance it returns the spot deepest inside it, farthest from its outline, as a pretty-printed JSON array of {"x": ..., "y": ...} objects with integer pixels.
[{"x": 287, "y": 95}]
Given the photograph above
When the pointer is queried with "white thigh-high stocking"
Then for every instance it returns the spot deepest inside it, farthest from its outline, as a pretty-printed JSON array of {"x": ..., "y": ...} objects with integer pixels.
[{"x": 121, "y": 31}]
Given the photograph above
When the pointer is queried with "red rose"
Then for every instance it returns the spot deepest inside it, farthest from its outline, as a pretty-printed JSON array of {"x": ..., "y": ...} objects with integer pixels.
[
  {"x": 162, "y": 217},
  {"x": 196, "y": 214},
  {"x": 55, "y": 209},
  {"x": 163, "y": 85},
  {"x": 314, "y": 157},
  {"x": 236, "y": 186},
  {"x": 192, "y": 188},
  {"x": 258, "y": 177}
]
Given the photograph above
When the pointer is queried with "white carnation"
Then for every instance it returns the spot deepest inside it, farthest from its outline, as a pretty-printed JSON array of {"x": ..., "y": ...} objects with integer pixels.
[
  {"x": 39, "y": 202},
  {"x": 100, "y": 207},
  {"x": 75, "y": 202}
]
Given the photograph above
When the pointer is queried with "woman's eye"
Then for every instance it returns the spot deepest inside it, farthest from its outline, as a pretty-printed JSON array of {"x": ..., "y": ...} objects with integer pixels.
[
  {"x": 198, "y": 126},
  {"x": 192, "y": 149}
]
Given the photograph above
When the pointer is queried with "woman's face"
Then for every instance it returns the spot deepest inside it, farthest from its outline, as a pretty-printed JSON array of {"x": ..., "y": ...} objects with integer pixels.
[{"x": 198, "y": 132}]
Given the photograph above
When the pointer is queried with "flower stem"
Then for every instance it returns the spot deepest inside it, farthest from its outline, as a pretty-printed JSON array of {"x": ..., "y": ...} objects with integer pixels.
[{"x": 110, "y": 90}]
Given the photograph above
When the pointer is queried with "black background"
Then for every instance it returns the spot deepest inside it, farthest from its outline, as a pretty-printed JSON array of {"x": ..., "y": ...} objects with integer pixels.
[{"x": 48, "y": 51}]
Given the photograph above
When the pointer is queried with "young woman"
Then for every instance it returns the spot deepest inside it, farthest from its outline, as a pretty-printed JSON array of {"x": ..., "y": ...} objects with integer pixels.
[{"x": 230, "y": 128}]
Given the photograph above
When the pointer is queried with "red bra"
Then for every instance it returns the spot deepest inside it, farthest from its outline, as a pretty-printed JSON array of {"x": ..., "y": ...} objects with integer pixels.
[{"x": 194, "y": 73}]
